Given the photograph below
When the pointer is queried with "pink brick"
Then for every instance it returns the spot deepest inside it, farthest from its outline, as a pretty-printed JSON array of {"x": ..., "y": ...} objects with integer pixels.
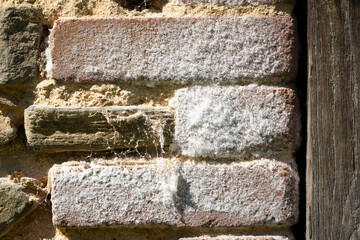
[
  {"x": 215, "y": 49},
  {"x": 243, "y": 122},
  {"x": 236, "y": 2},
  {"x": 269, "y": 237},
  {"x": 257, "y": 193}
]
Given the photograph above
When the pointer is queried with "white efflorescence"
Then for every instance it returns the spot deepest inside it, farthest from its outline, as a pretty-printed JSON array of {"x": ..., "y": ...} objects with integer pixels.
[
  {"x": 233, "y": 121},
  {"x": 245, "y": 237},
  {"x": 48, "y": 56},
  {"x": 103, "y": 193},
  {"x": 231, "y": 2},
  {"x": 226, "y": 49},
  {"x": 167, "y": 191},
  {"x": 168, "y": 169}
]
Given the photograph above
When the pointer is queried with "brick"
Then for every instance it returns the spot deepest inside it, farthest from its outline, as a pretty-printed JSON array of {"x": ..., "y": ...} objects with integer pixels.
[
  {"x": 246, "y": 194},
  {"x": 236, "y": 121},
  {"x": 235, "y": 2},
  {"x": 19, "y": 41},
  {"x": 269, "y": 237},
  {"x": 214, "y": 49},
  {"x": 56, "y": 129},
  {"x": 14, "y": 205}
]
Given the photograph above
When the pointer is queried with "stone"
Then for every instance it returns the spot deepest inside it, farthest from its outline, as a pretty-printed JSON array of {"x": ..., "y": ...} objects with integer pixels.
[
  {"x": 7, "y": 130},
  {"x": 212, "y": 49},
  {"x": 188, "y": 194},
  {"x": 19, "y": 41},
  {"x": 57, "y": 129},
  {"x": 239, "y": 122},
  {"x": 14, "y": 205}
]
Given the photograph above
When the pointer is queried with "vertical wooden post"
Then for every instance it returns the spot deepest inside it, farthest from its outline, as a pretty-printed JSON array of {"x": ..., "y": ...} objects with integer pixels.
[{"x": 333, "y": 144}]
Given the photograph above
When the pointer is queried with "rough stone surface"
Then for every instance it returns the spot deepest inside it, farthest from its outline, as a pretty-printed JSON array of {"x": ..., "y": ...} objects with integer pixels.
[
  {"x": 7, "y": 130},
  {"x": 236, "y": 121},
  {"x": 257, "y": 193},
  {"x": 56, "y": 129},
  {"x": 235, "y": 2},
  {"x": 270, "y": 237},
  {"x": 19, "y": 41},
  {"x": 14, "y": 204},
  {"x": 177, "y": 49}
]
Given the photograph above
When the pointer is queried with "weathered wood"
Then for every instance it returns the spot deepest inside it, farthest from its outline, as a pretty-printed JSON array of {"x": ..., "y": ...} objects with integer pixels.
[
  {"x": 57, "y": 129},
  {"x": 333, "y": 157}
]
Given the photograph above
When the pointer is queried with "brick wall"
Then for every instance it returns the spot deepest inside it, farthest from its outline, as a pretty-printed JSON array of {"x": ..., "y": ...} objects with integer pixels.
[{"x": 148, "y": 120}]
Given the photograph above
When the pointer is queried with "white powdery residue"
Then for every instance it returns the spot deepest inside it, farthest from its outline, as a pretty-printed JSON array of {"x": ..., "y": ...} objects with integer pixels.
[
  {"x": 92, "y": 193},
  {"x": 157, "y": 127},
  {"x": 48, "y": 57},
  {"x": 168, "y": 169},
  {"x": 215, "y": 121}
]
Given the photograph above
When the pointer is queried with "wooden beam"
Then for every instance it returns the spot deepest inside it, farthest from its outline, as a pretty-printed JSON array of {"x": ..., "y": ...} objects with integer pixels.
[{"x": 333, "y": 144}]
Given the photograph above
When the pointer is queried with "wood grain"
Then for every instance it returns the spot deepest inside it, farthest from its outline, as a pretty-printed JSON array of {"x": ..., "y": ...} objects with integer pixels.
[{"x": 333, "y": 160}]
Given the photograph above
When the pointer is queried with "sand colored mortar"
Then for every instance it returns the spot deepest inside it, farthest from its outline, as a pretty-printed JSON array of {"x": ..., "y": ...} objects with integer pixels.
[
  {"x": 52, "y": 10},
  {"x": 160, "y": 233},
  {"x": 50, "y": 93}
]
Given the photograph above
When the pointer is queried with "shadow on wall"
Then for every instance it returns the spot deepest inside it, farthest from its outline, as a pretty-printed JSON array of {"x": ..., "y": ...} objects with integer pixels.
[{"x": 300, "y": 13}]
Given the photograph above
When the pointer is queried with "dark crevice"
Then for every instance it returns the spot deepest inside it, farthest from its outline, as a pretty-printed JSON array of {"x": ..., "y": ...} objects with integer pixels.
[
  {"x": 300, "y": 13},
  {"x": 140, "y": 5}
]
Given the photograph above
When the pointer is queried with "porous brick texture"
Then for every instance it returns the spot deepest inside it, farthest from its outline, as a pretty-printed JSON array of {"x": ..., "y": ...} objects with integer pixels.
[
  {"x": 258, "y": 193},
  {"x": 242, "y": 238},
  {"x": 148, "y": 119},
  {"x": 236, "y": 121},
  {"x": 220, "y": 49},
  {"x": 19, "y": 43},
  {"x": 236, "y": 2},
  {"x": 56, "y": 129}
]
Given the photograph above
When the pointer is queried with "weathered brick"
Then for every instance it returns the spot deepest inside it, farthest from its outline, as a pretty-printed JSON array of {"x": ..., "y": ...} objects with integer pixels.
[
  {"x": 215, "y": 49},
  {"x": 257, "y": 193},
  {"x": 235, "y": 2},
  {"x": 269, "y": 237},
  {"x": 56, "y": 129},
  {"x": 236, "y": 121},
  {"x": 19, "y": 42}
]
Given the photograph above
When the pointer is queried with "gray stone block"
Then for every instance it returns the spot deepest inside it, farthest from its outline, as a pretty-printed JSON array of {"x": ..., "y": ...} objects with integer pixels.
[
  {"x": 14, "y": 205},
  {"x": 57, "y": 129},
  {"x": 19, "y": 41}
]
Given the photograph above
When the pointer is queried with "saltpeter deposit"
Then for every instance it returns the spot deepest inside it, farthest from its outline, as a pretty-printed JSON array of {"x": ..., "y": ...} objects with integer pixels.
[{"x": 161, "y": 119}]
